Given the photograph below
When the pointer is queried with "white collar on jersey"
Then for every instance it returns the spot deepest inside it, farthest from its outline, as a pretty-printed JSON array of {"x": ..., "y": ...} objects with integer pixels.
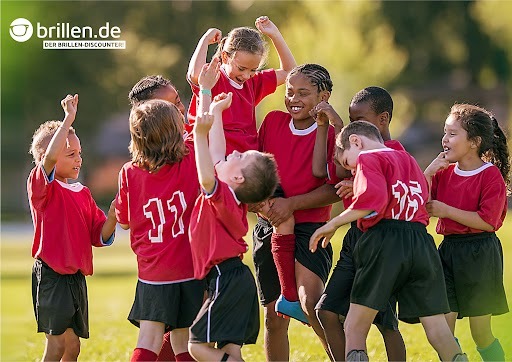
[
  {"x": 386, "y": 149},
  {"x": 231, "y": 81},
  {"x": 302, "y": 132},
  {"x": 75, "y": 187},
  {"x": 469, "y": 173}
]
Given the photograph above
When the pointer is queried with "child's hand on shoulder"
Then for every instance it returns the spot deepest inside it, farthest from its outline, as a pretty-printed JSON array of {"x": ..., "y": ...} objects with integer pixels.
[
  {"x": 70, "y": 105},
  {"x": 266, "y": 26},
  {"x": 212, "y": 36},
  {"x": 221, "y": 102},
  {"x": 209, "y": 74},
  {"x": 203, "y": 123}
]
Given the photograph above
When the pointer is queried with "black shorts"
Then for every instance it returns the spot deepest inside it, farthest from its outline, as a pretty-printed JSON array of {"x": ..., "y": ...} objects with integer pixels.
[
  {"x": 473, "y": 272},
  {"x": 319, "y": 262},
  {"x": 176, "y": 305},
  {"x": 60, "y": 301},
  {"x": 399, "y": 258},
  {"x": 336, "y": 296},
  {"x": 231, "y": 313}
]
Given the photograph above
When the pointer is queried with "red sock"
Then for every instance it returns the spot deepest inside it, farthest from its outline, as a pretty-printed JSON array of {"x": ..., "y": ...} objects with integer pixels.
[
  {"x": 142, "y": 354},
  {"x": 283, "y": 252},
  {"x": 184, "y": 357},
  {"x": 166, "y": 353}
]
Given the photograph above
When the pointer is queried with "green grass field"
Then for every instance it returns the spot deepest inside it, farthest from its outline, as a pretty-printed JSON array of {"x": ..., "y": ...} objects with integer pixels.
[{"x": 111, "y": 292}]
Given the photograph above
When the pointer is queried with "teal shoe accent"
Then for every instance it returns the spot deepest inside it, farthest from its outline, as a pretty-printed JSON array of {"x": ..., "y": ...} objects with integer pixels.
[{"x": 291, "y": 309}]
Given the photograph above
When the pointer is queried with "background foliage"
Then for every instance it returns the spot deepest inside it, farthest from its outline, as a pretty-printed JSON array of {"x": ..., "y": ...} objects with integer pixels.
[{"x": 428, "y": 54}]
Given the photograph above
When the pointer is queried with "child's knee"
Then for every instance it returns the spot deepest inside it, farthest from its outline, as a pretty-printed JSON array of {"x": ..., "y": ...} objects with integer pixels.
[
  {"x": 274, "y": 323},
  {"x": 72, "y": 349},
  {"x": 327, "y": 318}
]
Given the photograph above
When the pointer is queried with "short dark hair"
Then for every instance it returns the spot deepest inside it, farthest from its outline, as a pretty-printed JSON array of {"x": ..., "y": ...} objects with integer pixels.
[
  {"x": 260, "y": 179},
  {"x": 379, "y": 99},
  {"x": 361, "y": 128},
  {"x": 143, "y": 90}
]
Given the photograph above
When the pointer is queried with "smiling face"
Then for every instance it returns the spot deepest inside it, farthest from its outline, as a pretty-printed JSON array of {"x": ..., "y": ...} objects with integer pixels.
[
  {"x": 455, "y": 142},
  {"x": 169, "y": 94},
  {"x": 301, "y": 96},
  {"x": 241, "y": 66},
  {"x": 70, "y": 160}
]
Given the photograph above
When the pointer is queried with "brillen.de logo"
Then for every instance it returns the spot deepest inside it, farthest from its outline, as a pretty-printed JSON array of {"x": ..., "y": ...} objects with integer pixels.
[{"x": 21, "y": 30}]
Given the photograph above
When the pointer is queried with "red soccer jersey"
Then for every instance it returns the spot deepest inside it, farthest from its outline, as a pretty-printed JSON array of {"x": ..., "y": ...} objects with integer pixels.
[
  {"x": 293, "y": 151},
  {"x": 67, "y": 222},
  {"x": 217, "y": 228},
  {"x": 157, "y": 207},
  {"x": 393, "y": 144},
  {"x": 240, "y": 118},
  {"x": 482, "y": 190},
  {"x": 391, "y": 184}
]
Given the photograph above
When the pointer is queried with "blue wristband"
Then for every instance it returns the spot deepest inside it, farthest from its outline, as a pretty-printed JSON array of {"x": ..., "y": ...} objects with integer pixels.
[{"x": 207, "y": 92}]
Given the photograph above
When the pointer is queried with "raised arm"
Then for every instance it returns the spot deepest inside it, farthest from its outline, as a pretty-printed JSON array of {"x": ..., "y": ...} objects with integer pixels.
[
  {"x": 58, "y": 141},
  {"x": 206, "y": 80},
  {"x": 216, "y": 135},
  {"x": 204, "y": 163},
  {"x": 286, "y": 59},
  {"x": 198, "y": 59},
  {"x": 324, "y": 115}
]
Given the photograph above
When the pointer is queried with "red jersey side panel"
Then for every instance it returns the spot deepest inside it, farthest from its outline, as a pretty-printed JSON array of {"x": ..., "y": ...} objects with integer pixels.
[
  {"x": 392, "y": 185},
  {"x": 240, "y": 118},
  {"x": 67, "y": 222},
  {"x": 217, "y": 228},
  {"x": 157, "y": 207},
  {"x": 293, "y": 151},
  {"x": 482, "y": 190}
]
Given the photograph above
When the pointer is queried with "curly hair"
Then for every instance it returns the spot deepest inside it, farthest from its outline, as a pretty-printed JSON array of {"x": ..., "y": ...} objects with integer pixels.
[
  {"x": 42, "y": 137},
  {"x": 379, "y": 99}
]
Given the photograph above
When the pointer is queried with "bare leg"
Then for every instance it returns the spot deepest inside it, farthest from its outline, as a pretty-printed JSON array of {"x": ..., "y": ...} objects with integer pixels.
[
  {"x": 395, "y": 346},
  {"x": 54, "y": 348},
  {"x": 150, "y": 336},
  {"x": 481, "y": 330},
  {"x": 357, "y": 325},
  {"x": 72, "y": 349},
  {"x": 451, "y": 319},
  {"x": 440, "y": 336},
  {"x": 277, "y": 345},
  {"x": 310, "y": 289},
  {"x": 179, "y": 340},
  {"x": 334, "y": 334}
]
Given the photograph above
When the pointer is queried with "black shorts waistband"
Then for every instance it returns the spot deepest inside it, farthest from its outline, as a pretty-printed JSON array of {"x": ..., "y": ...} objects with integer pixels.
[
  {"x": 224, "y": 266},
  {"x": 468, "y": 237},
  {"x": 399, "y": 224}
]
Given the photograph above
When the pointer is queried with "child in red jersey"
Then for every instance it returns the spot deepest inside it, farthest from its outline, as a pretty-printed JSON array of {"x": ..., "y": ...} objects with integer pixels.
[
  {"x": 230, "y": 315},
  {"x": 241, "y": 53},
  {"x": 290, "y": 278},
  {"x": 67, "y": 223},
  {"x": 395, "y": 255},
  {"x": 469, "y": 195},
  {"x": 374, "y": 105},
  {"x": 157, "y": 190}
]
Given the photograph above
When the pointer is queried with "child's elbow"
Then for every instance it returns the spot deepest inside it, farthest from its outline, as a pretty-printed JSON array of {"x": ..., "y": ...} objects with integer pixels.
[{"x": 320, "y": 174}]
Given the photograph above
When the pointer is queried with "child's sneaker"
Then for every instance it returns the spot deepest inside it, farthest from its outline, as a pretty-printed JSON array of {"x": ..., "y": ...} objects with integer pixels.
[{"x": 290, "y": 309}]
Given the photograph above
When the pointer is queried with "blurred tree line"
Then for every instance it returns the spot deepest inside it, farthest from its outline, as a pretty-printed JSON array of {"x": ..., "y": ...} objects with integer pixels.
[{"x": 429, "y": 55}]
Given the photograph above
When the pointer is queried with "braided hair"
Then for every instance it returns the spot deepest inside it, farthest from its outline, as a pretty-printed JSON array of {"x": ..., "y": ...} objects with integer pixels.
[
  {"x": 317, "y": 75},
  {"x": 143, "y": 90}
]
